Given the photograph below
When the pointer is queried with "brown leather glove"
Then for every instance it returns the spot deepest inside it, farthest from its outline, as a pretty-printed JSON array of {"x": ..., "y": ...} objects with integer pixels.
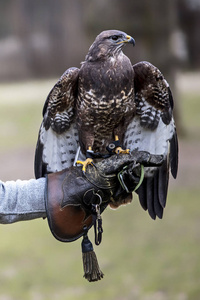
[
  {"x": 75, "y": 201},
  {"x": 73, "y": 197}
]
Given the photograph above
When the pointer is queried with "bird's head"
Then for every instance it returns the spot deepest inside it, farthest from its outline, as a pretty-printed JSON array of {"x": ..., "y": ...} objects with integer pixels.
[{"x": 108, "y": 43}]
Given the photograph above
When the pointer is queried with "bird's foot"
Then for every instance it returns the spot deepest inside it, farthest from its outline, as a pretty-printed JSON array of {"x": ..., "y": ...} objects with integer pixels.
[
  {"x": 115, "y": 147},
  {"x": 85, "y": 163},
  {"x": 119, "y": 150}
]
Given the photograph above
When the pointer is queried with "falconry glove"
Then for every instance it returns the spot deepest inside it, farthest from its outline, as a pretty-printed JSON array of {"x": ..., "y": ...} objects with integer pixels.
[{"x": 75, "y": 200}]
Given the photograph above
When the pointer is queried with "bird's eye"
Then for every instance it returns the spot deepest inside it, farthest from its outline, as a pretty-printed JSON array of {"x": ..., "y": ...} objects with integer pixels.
[{"x": 114, "y": 37}]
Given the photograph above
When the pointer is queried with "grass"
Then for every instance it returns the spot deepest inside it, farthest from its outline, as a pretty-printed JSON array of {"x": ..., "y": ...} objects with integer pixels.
[
  {"x": 142, "y": 259},
  {"x": 21, "y": 112},
  {"x": 20, "y": 124},
  {"x": 190, "y": 114}
]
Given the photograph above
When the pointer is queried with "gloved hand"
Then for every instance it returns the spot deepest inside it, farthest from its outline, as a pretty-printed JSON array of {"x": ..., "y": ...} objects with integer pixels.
[
  {"x": 72, "y": 196},
  {"x": 75, "y": 200}
]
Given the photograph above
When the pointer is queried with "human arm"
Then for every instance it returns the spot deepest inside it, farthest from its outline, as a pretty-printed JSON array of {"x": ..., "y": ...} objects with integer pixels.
[{"x": 22, "y": 200}]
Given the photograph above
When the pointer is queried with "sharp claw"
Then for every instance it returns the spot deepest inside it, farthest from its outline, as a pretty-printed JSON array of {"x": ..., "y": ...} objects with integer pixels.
[
  {"x": 85, "y": 163},
  {"x": 119, "y": 150},
  {"x": 93, "y": 164}
]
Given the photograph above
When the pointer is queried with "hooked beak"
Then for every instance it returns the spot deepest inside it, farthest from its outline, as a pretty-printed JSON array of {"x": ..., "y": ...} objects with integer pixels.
[{"x": 128, "y": 39}]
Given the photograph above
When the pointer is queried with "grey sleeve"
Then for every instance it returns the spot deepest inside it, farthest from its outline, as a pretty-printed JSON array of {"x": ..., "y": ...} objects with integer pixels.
[{"x": 22, "y": 200}]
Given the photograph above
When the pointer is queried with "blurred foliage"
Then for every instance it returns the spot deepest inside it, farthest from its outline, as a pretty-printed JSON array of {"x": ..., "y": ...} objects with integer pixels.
[
  {"x": 43, "y": 38},
  {"x": 189, "y": 20},
  {"x": 20, "y": 122}
]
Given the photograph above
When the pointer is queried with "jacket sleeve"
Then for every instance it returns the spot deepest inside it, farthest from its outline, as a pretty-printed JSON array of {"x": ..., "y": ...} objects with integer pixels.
[{"x": 22, "y": 200}]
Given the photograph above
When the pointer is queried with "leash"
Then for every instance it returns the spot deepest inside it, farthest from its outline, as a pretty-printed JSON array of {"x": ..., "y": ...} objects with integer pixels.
[{"x": 120, "y": 177}]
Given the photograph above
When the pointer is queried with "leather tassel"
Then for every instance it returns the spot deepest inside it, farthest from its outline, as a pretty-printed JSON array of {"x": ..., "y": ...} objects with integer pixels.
[{"x": 91, "y": 268}]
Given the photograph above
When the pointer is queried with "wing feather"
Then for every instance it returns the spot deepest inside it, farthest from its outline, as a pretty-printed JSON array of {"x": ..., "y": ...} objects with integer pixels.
[
  {"x": 58, "y": 135},
  {"x": 153, "y": 130},
  {"x": 163, "y": 181},
  {"x": 150, "y": 197},
  {"x": 157, "y": 205}
]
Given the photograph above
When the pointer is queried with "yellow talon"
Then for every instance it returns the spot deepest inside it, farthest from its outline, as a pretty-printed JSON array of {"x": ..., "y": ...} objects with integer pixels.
[
  {"x": 119, "y": 150},
  {"x": 85, "y": 163}
]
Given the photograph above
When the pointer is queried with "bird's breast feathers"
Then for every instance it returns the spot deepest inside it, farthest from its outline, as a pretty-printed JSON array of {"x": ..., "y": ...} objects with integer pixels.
[{"x": 106, "y": 86}]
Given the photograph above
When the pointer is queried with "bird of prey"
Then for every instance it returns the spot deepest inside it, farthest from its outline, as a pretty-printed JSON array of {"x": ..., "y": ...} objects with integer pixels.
[{"x": 110, "y": 100}]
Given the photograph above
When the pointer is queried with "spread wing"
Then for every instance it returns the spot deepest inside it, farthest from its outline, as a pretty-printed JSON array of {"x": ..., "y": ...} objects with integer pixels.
[
  {"x": 58, "y": 136},
  {"x": 153, "y": 130}
]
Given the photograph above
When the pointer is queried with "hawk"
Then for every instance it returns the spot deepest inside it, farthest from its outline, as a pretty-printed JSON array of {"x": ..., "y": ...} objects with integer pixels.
[{"x": 109, "y": 99}]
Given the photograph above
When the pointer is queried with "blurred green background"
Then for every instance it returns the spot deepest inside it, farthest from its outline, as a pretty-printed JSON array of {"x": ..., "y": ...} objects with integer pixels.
[{"x": 142, "y": 259}]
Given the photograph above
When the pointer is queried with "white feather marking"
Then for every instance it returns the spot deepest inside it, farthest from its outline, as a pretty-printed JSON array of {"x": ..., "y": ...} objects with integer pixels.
[
  {"x": 112, "y": 59},
  {"x": 59, "y": 149},
  {"x": 91, "y": 92},
  {"x": 153, "y": 141}
]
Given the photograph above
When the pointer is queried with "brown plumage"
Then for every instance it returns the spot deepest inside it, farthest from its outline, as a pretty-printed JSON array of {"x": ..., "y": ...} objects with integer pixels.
[
  {"x": 105, "y": 102},
  {"x": 105, "y": 98}
]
